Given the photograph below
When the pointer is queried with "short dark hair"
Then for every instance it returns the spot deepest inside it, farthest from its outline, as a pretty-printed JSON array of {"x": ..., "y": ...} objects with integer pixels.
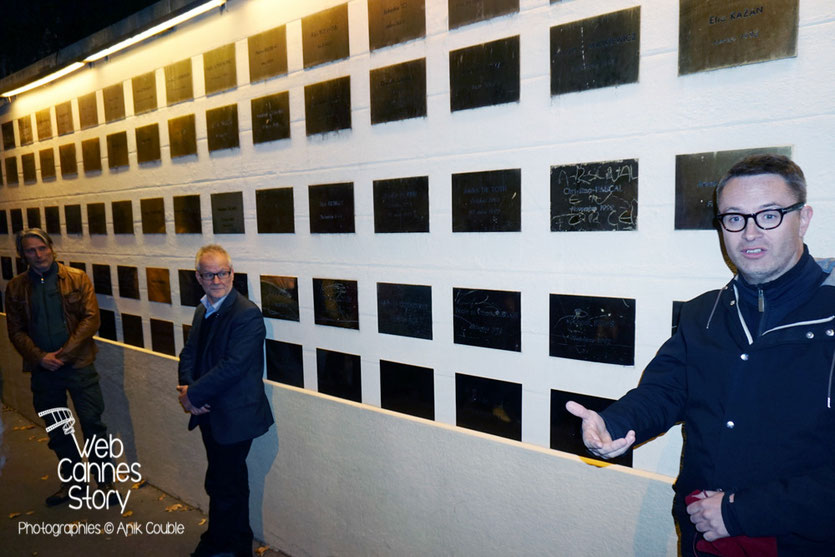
[
  {"x": 38, "y": 233},
  {"x": 768, "y": 163}
]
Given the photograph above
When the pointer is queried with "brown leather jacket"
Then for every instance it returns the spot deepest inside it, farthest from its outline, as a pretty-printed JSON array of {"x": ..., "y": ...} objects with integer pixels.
[{"x": 81, "y": 312}]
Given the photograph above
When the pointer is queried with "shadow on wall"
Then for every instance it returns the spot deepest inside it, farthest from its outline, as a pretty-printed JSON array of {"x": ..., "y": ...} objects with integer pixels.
[
  {"x": 117, "y": 414},
  {"x": 261, "y": 459}
]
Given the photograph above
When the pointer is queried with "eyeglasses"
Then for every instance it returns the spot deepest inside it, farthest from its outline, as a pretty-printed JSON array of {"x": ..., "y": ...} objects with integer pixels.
[
  {"x": 767, "y": 219},
  {"x": 209, "y": 277}
]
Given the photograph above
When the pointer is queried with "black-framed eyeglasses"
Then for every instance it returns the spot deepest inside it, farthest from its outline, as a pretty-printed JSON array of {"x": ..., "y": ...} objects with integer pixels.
[
  {"x": 767, "y": 219},
  {"x": 209, "y": 277}
]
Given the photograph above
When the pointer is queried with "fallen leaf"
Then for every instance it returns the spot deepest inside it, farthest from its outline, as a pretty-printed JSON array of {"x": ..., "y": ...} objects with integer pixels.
[
  {"x": 12, "y": 515},
  {"x": 127, "y": 513},
  {"x": 138, "y": 485},
  {"x": 161, "y": 497},
  {"x": 30, "y": 513},
  {"x": 22, "y": 427},
  {"x": 176, "y": 507},
  {"x": 202, "y": 522},
  {"x": 43, "y": 439},
  {"x": 45, "y": 477},
  {"x": 261, "y": 550},
  {"x": 31, "y": 438}
]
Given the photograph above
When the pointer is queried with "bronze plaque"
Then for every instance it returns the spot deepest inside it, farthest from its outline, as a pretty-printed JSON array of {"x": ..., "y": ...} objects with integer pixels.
[
  {"x": 159, "y": 286},
  {"x": 219, "y": 69},
  {"x": 222, "y": 127},
  {"x": 267, "y": 54},
  {"x": 144, "y": 92},
  {"x": 117, "y": 149},
  {"x": 325, "y": 36},
  {"x": 398, "y": 92},
  {"x": 395, "y": 21},
  {"x": 69, "y": 160},
  {"x": 187, "y": 216},
  {"x": 52, "y": 216},
  {"x": 114, "y": 102},
  {"x": 122, "y": 216},
  {"x": 132, "y": 329},
  {"x": 27, "y": 161},
  {"x": 128, "y": 281},
  {"x": 162, "y": 337},
  {"x": 271, "y": 117},
  {"x": 178, "y": 85},
  {"x": 47, "y": 157},
  {"x": 24, "y": 129},
  {"x": 63, "y": 118},
  {"x": 11, "y": 171},
  {"x": 91, "y": 155},
  {"x": 72, "y": 216},
  {"x": 147, "y": 143},
  {"x": 43, "y": 119},
  {"x": 327, "y": 106},
  {"x": 33, "y": 219},
  {"x": 464, "y": 12},
  {"x": 228, "y": 212},
  {"x": 88, "y": 111},
  {"x": 8, "y": 135},
  {"x": 721, "y": 33},
  {"x": 153, "y": 215},
  {"x": 182, "y": 137},
  {"x": 96, "y": 220}
]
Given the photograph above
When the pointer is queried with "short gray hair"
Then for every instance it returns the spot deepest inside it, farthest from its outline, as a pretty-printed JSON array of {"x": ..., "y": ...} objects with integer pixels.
[{"x": 211, "y": 248}]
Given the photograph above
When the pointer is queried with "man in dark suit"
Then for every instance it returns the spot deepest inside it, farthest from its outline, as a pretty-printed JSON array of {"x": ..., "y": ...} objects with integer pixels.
[{"x": 220, "y": 385}]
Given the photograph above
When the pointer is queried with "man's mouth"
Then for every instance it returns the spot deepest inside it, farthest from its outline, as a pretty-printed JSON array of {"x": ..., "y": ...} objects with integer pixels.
[{"x": 754, "y": 250}]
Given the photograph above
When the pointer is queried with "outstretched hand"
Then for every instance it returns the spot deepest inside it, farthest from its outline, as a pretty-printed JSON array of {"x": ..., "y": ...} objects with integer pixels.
[{"x": 595, "y": 435}]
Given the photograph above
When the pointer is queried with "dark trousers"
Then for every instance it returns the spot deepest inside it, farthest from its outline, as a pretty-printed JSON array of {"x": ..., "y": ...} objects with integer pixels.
[
  {"x": 687, "y": 533},
  {"x": 49, "y": 390},
  {"x": 227, "y": 483}
]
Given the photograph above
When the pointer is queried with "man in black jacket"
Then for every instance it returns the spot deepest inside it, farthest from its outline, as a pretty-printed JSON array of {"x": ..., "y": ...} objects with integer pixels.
[
  {"x": 750, "y": 374},
  {"x": 220, "y": 385}
]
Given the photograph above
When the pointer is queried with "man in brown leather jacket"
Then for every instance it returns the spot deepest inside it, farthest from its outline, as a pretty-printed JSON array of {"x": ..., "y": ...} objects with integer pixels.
[{"x": 52, "y": 315}]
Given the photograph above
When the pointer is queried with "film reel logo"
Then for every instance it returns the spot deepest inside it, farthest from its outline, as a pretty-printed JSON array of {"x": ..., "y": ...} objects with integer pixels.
[{"x": 63, "y": 418}]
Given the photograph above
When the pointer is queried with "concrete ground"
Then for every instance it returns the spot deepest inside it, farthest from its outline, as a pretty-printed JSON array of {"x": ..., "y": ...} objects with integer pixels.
[{"x": 154, "y": 522}]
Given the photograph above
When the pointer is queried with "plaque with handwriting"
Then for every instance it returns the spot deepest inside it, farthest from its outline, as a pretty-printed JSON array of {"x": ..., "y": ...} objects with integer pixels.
[
  {"x": 696, "y": 178},
  {"x": 331, "y": 208},
  {"x": 72, "y": 216},
  {"x": 17, "y": 224},
  {"x": 593, "y": 329},
  {"x": 280, "y": 297},
  {"x": 222, "y": 127},
  {"x": 487, "y": 318},
  {"x": 284, "y": 363},
  {"x": 274, "y": 209},
  {"x": 159, "y": 287},
  {"x": 401, "y": 205},
  {"x": 594, "y": 196},
  {"x": 128, "y": 281},
  {"x": 8, "y": 271},
  {"x": 404, "y": 310},
  {"x": 114, "y": 102},
  {"x": 398, "y": 92},
  {"x": 11, "y": 171},
  {"x": 219, "y": 69},
  {"x": 8, "y": 135},
  {"x": 24, "y": 129},
  {"x": 464, "y": 12},
  {"x": 153, "y": 215},
  {"x": 566, "y": 435},
  {"x": 147, "y": 143},
  {"x": 228, "y": 213},
  {"x": 102, "y": 283},
  {"x": 132, "y": 330},
  {"x": 271, "y": 117},
  {"x": 187, "y": 216},
  {"x": 182, "y": 136},
  {"x": 122, "y": 217},
  {"x": 335, "y": 303},
  {"x": 88, "y": 111},
  {"x": 33, "y": 217},
  {"x": 599, "y": 51},
  {"x": 144, "y": 92},
  {"x": 392, "y": 22},
  {"x": 178, "y": 84},
  {"x": 27, "y": 162},
  {"x": 91, "y": 155},
  {"x": 107, "y": 324},
  {"x": 117, "y": 149},
  {"x": 267, "y": 54},
  {"x": 63, "y": 118},
  {"x": 162, "y": 337},
  {"x": 339, "y": 374},
  {"x": 484, "y": 75},
  {"x": 719, "y": 34},
  {"x": 43, "y": 120},
  {"x": 489, "y": 405},
  {"x": 327, "y": 106},
  {"x": 69, "y": 160},
  {"x": 325, "y": 36},
  {"x": 489, "y": 201},
  {"x": 407, "y": 389},
  {"x": 47, "y": 157},
  {"x": 190, "y": 289},
  {"x": 52, "y": 215}
]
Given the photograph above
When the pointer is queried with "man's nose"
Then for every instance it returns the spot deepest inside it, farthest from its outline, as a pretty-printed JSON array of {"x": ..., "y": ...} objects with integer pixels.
[{"x": 751, "y": 229}]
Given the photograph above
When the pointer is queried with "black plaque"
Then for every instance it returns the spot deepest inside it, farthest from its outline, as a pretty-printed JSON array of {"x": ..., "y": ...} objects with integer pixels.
[
  {"x": 404, "y": 309},
  {"x": 182, "y": 136},
  {"x": 117, "y": 149},
  {"x": 280, "y": 297},
  {"x": 271, "y": 117},
  {"x": 17, "y": 220},
  {"x": 284, "y": 363},
  {"x": 91, "y": 155},
  {"x": 401, "y": 205},
  {"x": 186, "y": 331},
  {"x": 241, "y": 284},
  {"x": 80, "y": 265},
  {"x": 219, "y": 69},
  {"x": 162, "y": 337},
  {"x": 47, "y": 157},
  {"x": 274, "y": 209},
  {"x": 144, "y": 92},
  {"x": 600, "y": 51},
  {"x": 327, "y": 106},
  {"x": 331, "y": 208},
  {"x": 718, "y": 34},
  {"x": 4, "y": 223},
  {"x": 132, "y": 330},
  {"x": 33, "y": 217},
  {"x": 153, "y": 215},
  {"x": 464, "y": 12},
  {"x": 43, "y": 121},
  {"x": 114, "y": 102},
  {"x": 267, "y": 54},
  {"x": 159, "y": 286},
  {"x": 488, "y": 405},
  {"x": 187, "y": 216},
  {"x": 228, "y": 213},
  {"x": 102, "y": 282},
  {"x": 27, "y": 162},
  {"x": 325, "y": 36},
  {"x": 696, "y": 178},
  {"x": 392, "y": 22},
  {"x": 487, "y": 318},
  {"x": 88, "y": 111},
  {"x": 128, "y": 281},
  {"x": 178, "y": 84},
  {"x": 63, "y": 118},
  {"x": 96, "y": 219},
  {"x": 8, "y": 135},
  {"x": 6, "y": 263},
  {"x": 12, "y": 177},
  {"x": 190, "y": 289},
  {"x": 408, "y": 389},
  {"x": 339, "y": 374},
  {"x": 122, "y": 217},
  {"x": 52, "y": 216},
  {"x": 593, "y": 329},
  {"x": 489, "y": 201},
  {"x": 398, "y": 92},
  {"x": 335, "y": 303},
  {"x": 107, "y": 324},
  {"x": 484, "y": 75},
  {"x": 222, "y": 127},
  {"x": 69, "y": 160},
  {"x": 147, "y": 143},
  {"x": 24, "y": 129},
  {"x": 72, "y": 216},
  {"x": 566, "y": 435},
  {"x": 595, "y": 196}
]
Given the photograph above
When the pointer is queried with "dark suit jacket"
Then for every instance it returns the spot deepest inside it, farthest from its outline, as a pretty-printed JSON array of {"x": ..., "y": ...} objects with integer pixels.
[{"x": 233, "y": 357}]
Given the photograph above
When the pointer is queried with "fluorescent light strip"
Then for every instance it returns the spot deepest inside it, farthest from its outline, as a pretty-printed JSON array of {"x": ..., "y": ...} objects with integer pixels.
[{"x": 44, "y": 80}]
